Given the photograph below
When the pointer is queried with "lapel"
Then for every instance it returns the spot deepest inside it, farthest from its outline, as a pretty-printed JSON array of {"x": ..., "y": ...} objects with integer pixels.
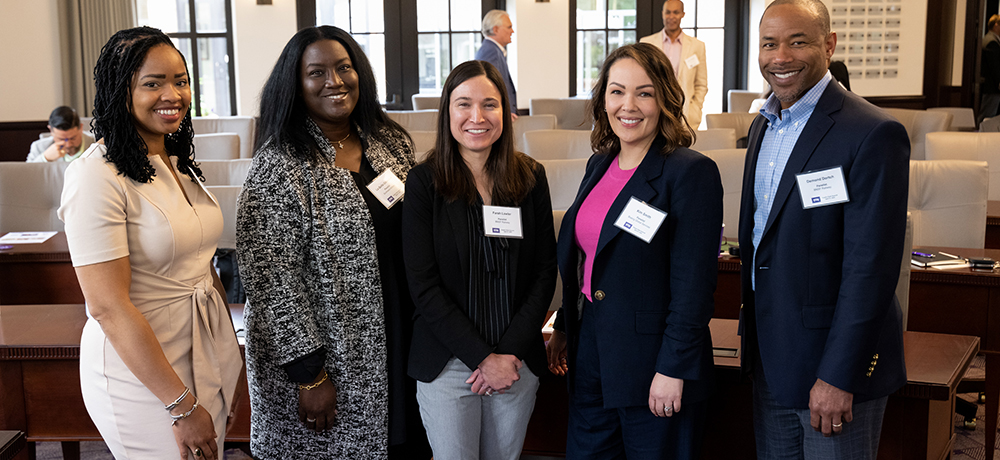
[
  {"x": 637, "y": 186},
  {"x": 815, "y": 130},
  {"x": 458, "y": 216},
  {"x": 382, "y": 156}
]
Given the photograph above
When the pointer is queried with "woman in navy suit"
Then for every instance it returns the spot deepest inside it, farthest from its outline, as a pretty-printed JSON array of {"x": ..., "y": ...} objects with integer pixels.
[{"x": 638, "y": 255}]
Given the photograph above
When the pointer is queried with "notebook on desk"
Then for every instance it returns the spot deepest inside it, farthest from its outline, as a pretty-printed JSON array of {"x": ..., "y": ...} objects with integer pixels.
[{"x": 937, "y": 260}]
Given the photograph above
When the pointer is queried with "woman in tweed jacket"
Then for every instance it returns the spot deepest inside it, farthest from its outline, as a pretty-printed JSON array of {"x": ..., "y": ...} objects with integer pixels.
[{"x": 327, "y": 313}]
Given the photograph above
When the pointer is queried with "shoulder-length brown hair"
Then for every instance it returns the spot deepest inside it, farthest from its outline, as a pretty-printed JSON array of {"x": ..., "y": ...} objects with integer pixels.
[
  {"x": 510, "y": 171},
  {"x": 669, "y": 97}
]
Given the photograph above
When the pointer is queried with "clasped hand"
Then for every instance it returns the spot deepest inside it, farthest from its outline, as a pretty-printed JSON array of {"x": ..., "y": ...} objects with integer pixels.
[{"x": 497, "y": 373}]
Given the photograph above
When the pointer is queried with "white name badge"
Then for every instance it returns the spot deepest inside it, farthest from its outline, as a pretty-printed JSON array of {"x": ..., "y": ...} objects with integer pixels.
[
  {"x": 502, "y": 222},
  {"x": 387, "y": 188},
  {"x": 692, "y": 61},
  {"x": 640, "y": 219},
  {"x": 822, "y": 188}
]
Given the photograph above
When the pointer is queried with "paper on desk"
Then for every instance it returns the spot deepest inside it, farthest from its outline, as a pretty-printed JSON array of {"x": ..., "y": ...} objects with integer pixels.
[
  {"x": 547, "y": 327},
  {"x": 951, "y": 267},
  {"x": 26, "y": 237}
]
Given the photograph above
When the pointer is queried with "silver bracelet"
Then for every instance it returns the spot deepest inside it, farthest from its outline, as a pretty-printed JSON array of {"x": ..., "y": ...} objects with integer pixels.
[
  {"x": 171, "y": 406},
  {"x": 184, "y": 415}
]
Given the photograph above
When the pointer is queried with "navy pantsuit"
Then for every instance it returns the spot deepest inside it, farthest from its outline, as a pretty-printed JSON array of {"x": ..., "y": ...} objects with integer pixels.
[{"x": 657, "y": 297}]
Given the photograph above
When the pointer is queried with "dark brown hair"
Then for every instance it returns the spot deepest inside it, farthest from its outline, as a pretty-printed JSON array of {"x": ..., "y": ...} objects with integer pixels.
[
  {"x": 669, "y": 97},
  {"x": 510, "y": 171}
]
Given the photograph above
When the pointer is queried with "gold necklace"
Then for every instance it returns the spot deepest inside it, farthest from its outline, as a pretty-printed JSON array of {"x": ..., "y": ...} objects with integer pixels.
[{"x": 340, "y": 143}]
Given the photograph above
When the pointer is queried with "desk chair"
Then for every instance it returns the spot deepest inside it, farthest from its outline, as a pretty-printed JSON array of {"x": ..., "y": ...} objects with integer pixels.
[
  {"x": 947, "y": 203},
  {"x": 557, "y": 144},
  {"x": 739, "y": 122},
  {"x": 990, "y": 125},
  {"x": 570, "y": 112},
  {"x": 525, "y": 123},
  {"x": 918, "y": 123},
  {"x": 225, "y": 172},
  {"x": 730, "y": 163},
  {"x": 714, "y": 139},
  {"x": 963, "y": 118},
  {"x": 30, "y": 194},
  {"x": 426, "y": 101},
  {"x": 564, "y": 178},
  {"x": 968, "y": 146},
  {"x": 415, "y": 120},
  {"x": 739, "y": 100},
  {"x": 423, "y": 142},
  {"x": 217, "y": 146},
  {"x": 241, "y": 126}
]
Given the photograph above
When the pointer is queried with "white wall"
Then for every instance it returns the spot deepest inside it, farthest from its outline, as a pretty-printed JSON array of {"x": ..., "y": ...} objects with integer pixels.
[
  {"x": 539, "y": 55},
  {"x": 32, "y": 85},
  {"x": 260, "y": 33}
]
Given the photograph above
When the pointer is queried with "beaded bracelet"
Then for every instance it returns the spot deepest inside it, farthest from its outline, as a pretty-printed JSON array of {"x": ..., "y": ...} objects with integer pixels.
[
  {"x": 314, "y": 385},
  {"x": 171, "y": 406},
  {"x": 184, "y": 415}
]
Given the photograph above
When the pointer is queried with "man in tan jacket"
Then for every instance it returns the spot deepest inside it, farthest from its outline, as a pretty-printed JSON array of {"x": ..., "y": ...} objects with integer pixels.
[{"x": 687, "y": 54}]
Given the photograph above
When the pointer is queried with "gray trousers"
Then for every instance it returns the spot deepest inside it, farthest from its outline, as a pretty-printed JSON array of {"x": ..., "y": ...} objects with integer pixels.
[
  {"x": 462, "y": 425},
  {"x": 785, "y": 433}
]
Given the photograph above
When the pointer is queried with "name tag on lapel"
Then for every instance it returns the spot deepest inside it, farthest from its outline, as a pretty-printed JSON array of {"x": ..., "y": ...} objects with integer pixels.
[
  {"x": 502, "y": 222},
  {"x": 822, "y": 188},
  {"x": 640, "y": 219},
  {"x": 387, "y": 188},
  {"x": 692, "y": 61}
]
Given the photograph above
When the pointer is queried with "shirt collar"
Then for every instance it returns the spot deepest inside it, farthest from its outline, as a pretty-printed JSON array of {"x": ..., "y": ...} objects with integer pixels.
[
  {"x": 665, "y": 37},
  {"x": 503, "y": 49},
  {"x": 804, "y": 105}
]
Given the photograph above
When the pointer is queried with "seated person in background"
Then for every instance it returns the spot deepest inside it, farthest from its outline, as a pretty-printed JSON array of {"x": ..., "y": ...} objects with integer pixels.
[{"x": 68, "y": 139}]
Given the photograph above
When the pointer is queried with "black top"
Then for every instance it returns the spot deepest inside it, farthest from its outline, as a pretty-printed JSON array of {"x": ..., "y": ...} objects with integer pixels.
[{"x": 489, "y": 285}]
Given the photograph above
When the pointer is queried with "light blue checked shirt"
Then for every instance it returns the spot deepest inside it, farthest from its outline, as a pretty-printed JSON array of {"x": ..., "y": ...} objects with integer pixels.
[{"x": 780, "y": 137}]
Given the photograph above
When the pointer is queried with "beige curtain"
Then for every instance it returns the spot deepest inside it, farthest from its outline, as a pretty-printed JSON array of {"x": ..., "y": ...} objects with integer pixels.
[{"x": 85, "y": 26}]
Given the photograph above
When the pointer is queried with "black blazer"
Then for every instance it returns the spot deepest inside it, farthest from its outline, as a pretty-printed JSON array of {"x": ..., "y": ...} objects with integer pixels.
[
  {"x": 658, "y": 296},
  {"x": 825, "y": 304},
  {"x": 436, "y": 251}
]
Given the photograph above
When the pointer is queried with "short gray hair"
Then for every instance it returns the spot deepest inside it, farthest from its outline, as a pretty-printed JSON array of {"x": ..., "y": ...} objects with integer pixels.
[
  {"x": 815, "y": 7},
  {"x": 493, "y": 19}
]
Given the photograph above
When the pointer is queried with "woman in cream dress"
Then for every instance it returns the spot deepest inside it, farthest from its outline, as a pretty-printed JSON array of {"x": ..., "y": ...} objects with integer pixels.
[{"x": 142, "y": 231}]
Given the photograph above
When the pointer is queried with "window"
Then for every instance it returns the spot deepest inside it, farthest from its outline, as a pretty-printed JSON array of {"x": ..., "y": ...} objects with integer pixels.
[
  {"x": 365, "y": 21},
  {"x": 412, "y": 45},
  {"x": 202, "y": 31},
  {"x": 448, "y": 34},
  {"x": 601, "y": 27}
]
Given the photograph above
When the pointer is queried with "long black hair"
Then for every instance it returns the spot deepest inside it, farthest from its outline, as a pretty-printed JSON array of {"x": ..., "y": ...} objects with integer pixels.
[
  {"x": 510, "y": 171},
  {"x": 282, "y": 111},
  {"x": 120, "y": 59}
]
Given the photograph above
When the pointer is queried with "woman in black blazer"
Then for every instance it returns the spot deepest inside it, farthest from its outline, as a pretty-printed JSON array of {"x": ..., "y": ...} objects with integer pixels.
[
  {"x": 479, "y": 250},
  {"x": 638, "y": 256}
]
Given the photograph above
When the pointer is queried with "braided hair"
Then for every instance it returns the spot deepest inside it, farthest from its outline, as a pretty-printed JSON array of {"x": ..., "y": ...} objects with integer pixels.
[{"x": 120, "y": 59}]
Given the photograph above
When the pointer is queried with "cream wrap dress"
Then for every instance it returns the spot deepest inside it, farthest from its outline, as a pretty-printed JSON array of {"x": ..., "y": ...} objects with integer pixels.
[{"x": 170, "y": 245}]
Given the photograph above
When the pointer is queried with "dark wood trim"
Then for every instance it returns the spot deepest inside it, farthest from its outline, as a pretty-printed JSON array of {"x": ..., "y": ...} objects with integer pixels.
[
  {"x": 572, "y": 48},
  {"x": 16, "y": 138},
  {"x": 305, "y": 14},
  {"x": 737, "y": 31},
  {"x": 899, "y": 102}
]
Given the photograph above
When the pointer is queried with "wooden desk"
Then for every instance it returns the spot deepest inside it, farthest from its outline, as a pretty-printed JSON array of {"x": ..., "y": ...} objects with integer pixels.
[
  {"x": 40, "y": 377},
  {"x": 39, "y": 274},
  {"x": 11, "y": 443},
  {"x": 917, "y": 421},
  {"x": 993, "y": 224}
]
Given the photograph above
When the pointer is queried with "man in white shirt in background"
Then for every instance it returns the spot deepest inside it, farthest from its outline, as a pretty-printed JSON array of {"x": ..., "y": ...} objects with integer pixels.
[
  {"x": 67, "y": 142},
  {"x": 687, "y": 55}
]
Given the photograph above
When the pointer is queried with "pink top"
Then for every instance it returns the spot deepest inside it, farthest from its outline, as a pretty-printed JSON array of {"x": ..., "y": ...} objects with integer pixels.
[{"x": 590, "y": 217}]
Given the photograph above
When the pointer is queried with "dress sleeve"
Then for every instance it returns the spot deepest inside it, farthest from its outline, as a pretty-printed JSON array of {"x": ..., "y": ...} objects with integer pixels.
[
  {"x": 94, "y": 210},
  {"x": 272, "y": 241}
]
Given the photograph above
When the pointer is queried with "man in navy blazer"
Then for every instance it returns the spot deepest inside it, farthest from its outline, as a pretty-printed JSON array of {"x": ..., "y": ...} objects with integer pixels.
[
  {"x": 497, "y": 32},
  {"x": 822, "y": 224}
]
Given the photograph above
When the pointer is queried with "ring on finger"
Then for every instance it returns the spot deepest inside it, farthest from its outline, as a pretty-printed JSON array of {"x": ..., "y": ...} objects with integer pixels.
[
  {"x": 197, "y": 452},
  {"x": 838, "y": 425},
  {"x": 311, "y": 420},
  {"x": 667, "y": 408}
]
